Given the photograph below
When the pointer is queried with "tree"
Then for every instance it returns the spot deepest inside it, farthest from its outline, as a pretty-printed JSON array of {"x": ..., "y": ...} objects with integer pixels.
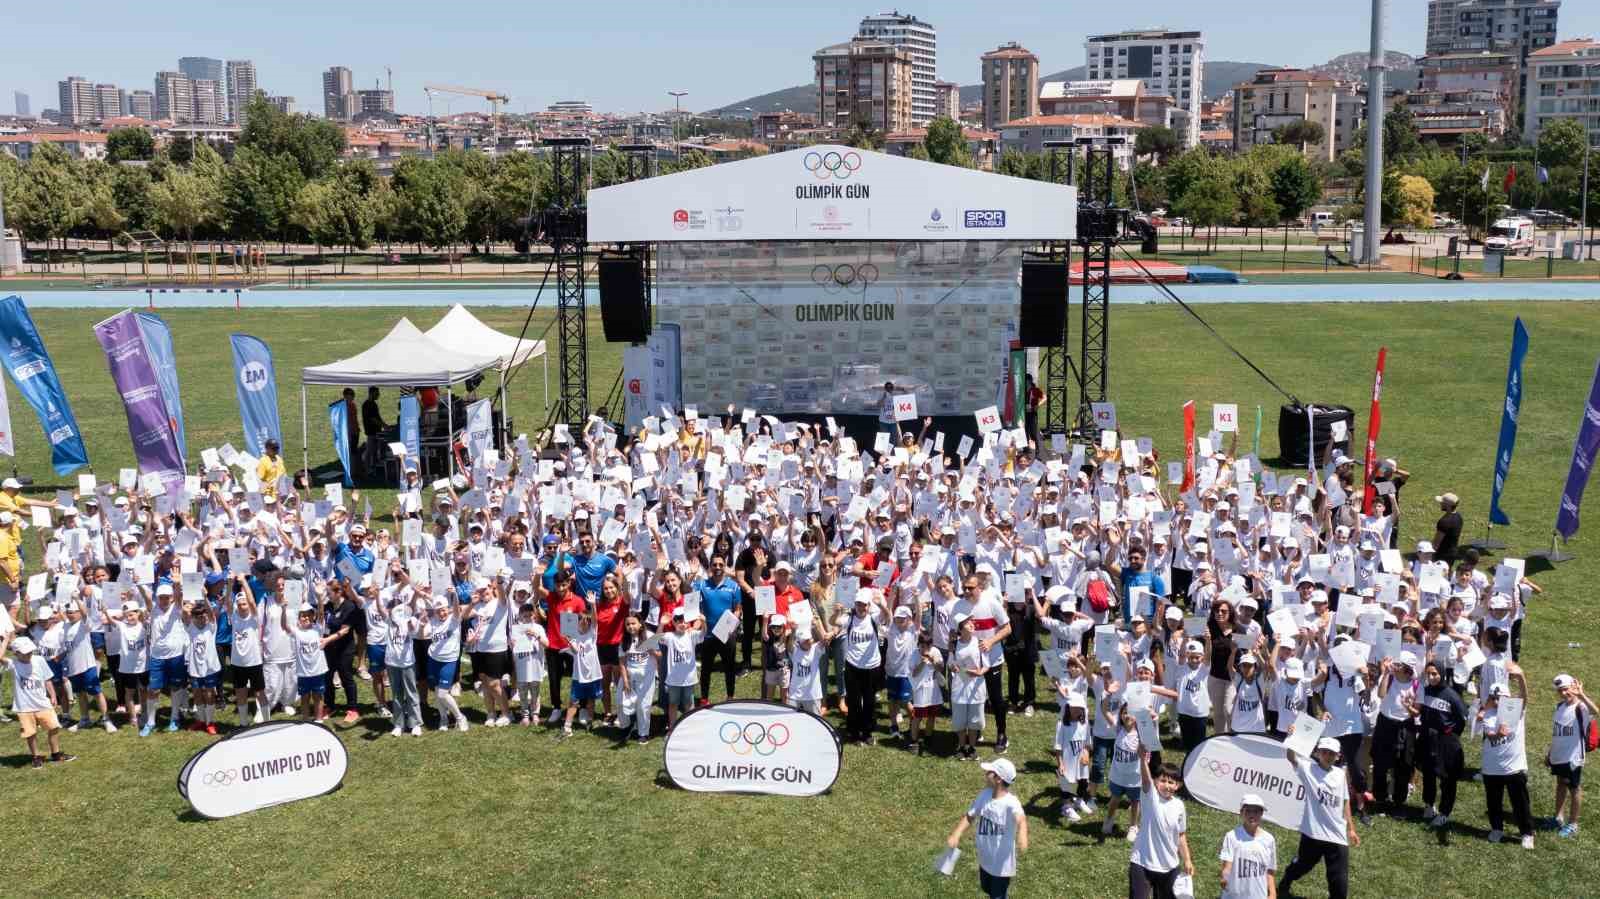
[
  {"x": 434, "y": 214},
  {"x": 1252, "y": 183},
  {"x": 130, "y": 188},
  {"x": 946, "y": 144},
  {"x": 313, "y": 144},
  {"x": 99, "y": 215},
  {"x": 1299, "y": 133},
  {"x": 1561, "y": 143},
  {"x": 1415, "y": 202},
  {"x": 1295, "y": 187},
  {"x": 184, "y": 201},
  {"x": 1209, "y": 201},
  {"x": 1400, "y": 138},
  {"x": 50, "y": 198},
  {"x": 1186, "y": 169},
  {"x": 1463, "y": 194},
  {"x": 1142, "y": 187},
  {"x": 919, "y": 152},
  {"x": 130, "y": 143},
  {"x": 863, "y": 137},
  {"x": 258, "y": 194},
  {"x": 1159, "y": 140}
]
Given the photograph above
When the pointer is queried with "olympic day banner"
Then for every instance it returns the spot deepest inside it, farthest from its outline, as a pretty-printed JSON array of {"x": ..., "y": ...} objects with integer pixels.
[
  {"x": 150, "y": 427},
  {"x": 1222, "y": 769},
  {"x": 256, "y": 383},
  {"x": 753, "y": 746},
  {"x": 1583, "y": 456},
  {"x": 164, "y": 360},
  {"x": 23, "y": 354},
  {"x": 265, "y": 765},
  {"x": 1508, "y": 421}
]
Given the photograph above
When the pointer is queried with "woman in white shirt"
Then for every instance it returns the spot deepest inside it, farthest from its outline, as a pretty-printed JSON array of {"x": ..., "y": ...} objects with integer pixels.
[
  {"x": 1505, "y": 766},
  {"x": 442, "y": 630},
  {"x": 863, "y": 660}
]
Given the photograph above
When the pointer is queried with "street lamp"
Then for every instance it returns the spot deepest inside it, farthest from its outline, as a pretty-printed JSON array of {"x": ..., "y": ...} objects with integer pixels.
[
  {"x": 1583, "y": 216},
  {"x": 677, "y": 114}
]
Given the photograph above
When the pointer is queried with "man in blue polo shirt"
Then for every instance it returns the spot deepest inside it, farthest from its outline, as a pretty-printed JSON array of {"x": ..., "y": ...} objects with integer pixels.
[
  {"x": 589, "y": 568},
  {"x": 1133, "y": 575},
  {"x": 356, "y": 551},
  {"x": 718, "y": 594}
]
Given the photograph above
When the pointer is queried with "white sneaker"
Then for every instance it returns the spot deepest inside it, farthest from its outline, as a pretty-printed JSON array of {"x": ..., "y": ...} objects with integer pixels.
[
  {"x": 1089, "y": 807},
  {"x": 1527, "y": 841},
  {"x": 1429, "y": 813},
  {"x": 110, "y": 728},
  {"x": 461, "y": 724},
  {"x": 1495, "y": 836},
  {"x": 416, "y": 730},
  {"x": 383, "y": 712},
  {"x": 584, "y": 717},
  {"x": 1084, "y": 808},
  {"x": 455, "y": 689},
  {"x": 555, "y": 716},
  {"x": 396, "y": 732},
  {"x": 1133, "y": 833},
  {"x": 72, "y": 727},
  {"x": 502, "y": 721},
  {"x": 365, "y": 675},
  {"x": 259, "y": 719},
  {"x": 1072, "y": 815},
  {"x": 1027, "y": 712}
]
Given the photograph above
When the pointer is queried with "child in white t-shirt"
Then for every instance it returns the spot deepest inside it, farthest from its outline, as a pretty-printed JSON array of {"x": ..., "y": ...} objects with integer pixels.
[
  {"x": 639, "y": 661},
  {"x": 1124, "y": 779},
  {"x": 807, "y": 648},
  {"x": 1249, "y": 854},
  {"x": 587, "y": 683},
  {"x": 528, "y": 643},
  {"x": 927, "y": 692},
  {"x": 1073, "y": 759},
  {"x": 968, "y": 692},
  {"x": 680, "y": 647}
]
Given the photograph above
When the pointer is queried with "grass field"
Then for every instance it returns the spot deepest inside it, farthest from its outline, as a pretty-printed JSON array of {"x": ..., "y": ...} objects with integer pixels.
[{"x": 509, "y": 811}]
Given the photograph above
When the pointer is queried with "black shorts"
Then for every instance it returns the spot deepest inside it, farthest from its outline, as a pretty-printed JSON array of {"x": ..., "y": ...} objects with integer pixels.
[
  {"x": 249, "y": 677},
  {"x": 492, "y": 664},
  {"x": 610, "y": 653},
  {"x": 1571, "y": 775},
  {"x": 126, "y": 682}
]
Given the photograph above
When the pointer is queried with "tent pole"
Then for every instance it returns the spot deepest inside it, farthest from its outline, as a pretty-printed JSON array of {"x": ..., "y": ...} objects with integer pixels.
[
  {"x": 545, "y": 357},
  {"x": 305, "y": 450},
  {"x": 450, "y": 432},
  {"x": 505, "y": 412}
]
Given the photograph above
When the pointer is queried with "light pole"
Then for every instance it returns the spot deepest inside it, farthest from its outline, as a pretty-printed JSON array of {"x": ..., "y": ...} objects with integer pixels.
[
  {"x": 1583, "y": 216},
  {"x": 1374, "y": 186},
  {"x": 677, "y": 115}
]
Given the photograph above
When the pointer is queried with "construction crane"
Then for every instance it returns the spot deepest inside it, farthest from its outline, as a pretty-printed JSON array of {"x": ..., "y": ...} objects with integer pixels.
[{"x": 495, "y": 98}]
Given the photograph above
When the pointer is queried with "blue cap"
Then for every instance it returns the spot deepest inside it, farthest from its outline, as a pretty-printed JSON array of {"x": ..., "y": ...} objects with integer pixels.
[
  {"x": 214, "y": 579},
  {"x": 552, "y": 540}
]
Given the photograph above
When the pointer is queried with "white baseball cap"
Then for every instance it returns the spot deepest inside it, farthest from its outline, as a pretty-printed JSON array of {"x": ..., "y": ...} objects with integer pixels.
[
  {"x": 25, "y": 646},
  {"x": 1001, "y": 768},
  {"x": 1252, "y": 800},
  {"x": 780, "y": 621},
  {"x": 1195, "y": 646},
  {"x": 1329, "y": 744},
  {"x": 11, "y": 484}
]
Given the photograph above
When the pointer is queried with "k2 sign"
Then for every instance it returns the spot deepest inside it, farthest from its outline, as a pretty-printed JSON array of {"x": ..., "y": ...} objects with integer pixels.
[
  {"x": 1105, "y": 415},
  {"x": 751, "y": 746},
  {"x": 1221, "y": 770},
  {"x": 268, "y": 764}
]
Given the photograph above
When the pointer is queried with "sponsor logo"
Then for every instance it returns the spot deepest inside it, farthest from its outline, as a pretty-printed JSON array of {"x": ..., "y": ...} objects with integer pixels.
[
  {"x": 729, "y": 218},
  {"x": 935, "y": 222},
  {"x": 832, "y": 164},
  {"x": 253, "y": 377},
  {"x": 985, "y": 218},
  {"x": 635, "y": 387},
  {"x": 1593, "y": 414},
  {"x": 688, "y": 220},
  {"x": 680, "y": 219},
  {"x": 753, "y": 736},
  {"x": 224, "y": 778},
  {"x": 1220, "y": 769}
]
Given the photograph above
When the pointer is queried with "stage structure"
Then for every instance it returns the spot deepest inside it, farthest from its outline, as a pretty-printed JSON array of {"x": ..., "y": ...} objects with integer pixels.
[
  {"x": 1061, "y": 383},
  {"x": 798, "y": 283},
  {"x": 563, "y": 225}
]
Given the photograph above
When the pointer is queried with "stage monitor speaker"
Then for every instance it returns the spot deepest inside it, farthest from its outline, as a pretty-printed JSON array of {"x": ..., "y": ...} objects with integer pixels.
[
  {"x": 623, "y": 311},
  {"x": 1044, "y": 304}
]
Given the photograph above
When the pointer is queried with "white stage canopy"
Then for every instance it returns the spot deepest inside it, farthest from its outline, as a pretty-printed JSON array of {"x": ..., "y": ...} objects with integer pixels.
[
  {"x": 831, "y": 192},
  {"x": 404, "y": 357},
  {"x": 462, "y": 332}
]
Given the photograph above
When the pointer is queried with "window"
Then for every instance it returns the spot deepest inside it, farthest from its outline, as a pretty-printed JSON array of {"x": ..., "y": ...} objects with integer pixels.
[{"x": 1188, "y": 48}]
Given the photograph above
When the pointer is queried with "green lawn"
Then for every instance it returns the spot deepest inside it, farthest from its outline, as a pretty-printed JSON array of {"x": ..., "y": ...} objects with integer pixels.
[{"x": 510, "y": 811}]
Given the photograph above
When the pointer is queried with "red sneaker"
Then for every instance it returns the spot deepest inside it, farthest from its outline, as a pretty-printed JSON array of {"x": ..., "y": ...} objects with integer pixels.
[
  {"x": 351, "y": 717},
  {"x": 701, "y": 704},
  {"x": 211, "y": 729}
]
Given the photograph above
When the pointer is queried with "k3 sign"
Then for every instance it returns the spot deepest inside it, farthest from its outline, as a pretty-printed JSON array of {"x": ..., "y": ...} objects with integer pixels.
[
  {"x": 752, "y": 746},
  {"x": 1222, "y": 769},
  {"x": 268, "y": 764}
]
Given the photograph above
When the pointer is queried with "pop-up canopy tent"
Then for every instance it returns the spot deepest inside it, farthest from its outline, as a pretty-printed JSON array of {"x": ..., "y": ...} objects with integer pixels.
[
  {"x": 405, "y": 357},
  {"x": 460, "y": 330}
]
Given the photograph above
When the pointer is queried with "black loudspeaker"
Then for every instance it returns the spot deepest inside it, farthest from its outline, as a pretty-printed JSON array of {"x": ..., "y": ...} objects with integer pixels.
[
  {"x": 1044, "y": 304},
  {"x": 623, "y": 311}
]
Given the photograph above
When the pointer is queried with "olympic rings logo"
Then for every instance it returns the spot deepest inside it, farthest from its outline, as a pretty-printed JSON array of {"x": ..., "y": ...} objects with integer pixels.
[
  {"x": 753, "y": 736},
  {"x": 223, "y": 778},
  {"x": 832, "y": 164},
  {"x": 834, "y": 278},
  {"x": 1220, "y": 769}
]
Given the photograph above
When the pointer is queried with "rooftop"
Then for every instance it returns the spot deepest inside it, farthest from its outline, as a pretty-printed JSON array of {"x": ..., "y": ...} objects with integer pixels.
[
  {"x": 1568, "y": 48},
  {"x": 1084, "y": 119}
]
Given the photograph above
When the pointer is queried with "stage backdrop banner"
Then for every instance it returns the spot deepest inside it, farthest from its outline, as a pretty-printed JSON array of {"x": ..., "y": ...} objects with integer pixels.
[
  {"x": 265, "y": 765},
  {"x": 164, "y": 361},
  {"x": 818, "y": 326},
  {"x": 24, "y": 356},
  {"x": 752, "y": 746},
  {"x": 133, "y": 371},
  {"x": 832, "y": 192},
  {"x": 1222, "y": 769},
  {"x": 256, "y": 383}
]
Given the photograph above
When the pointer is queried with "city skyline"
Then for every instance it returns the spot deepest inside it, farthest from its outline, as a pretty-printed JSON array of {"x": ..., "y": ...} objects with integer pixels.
[{"x": 538, "y": 60}]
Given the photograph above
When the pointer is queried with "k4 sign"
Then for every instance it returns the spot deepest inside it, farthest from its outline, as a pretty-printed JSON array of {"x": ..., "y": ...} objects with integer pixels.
[
  {"x": 1221, "y": 770},
  {"x": 905, "y": 407},
  {"x": 268, "y": 764},
  {"x": 750, "y": 746}
]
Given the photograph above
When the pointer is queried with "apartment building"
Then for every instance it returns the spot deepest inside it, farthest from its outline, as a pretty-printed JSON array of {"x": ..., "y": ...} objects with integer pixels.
[
  {"x": 241, "y": 88},
  {"x": 865, "y": 82},
  {"x": 1010, "y": 79},
  {"x": 1168, "y": 62},
  {"x": 1564, "y": 83},
  {"x": 1278, "y": 97},
  {"x": 921, "y": 41},
  {"x": 1031, "y": 134},
  {"x": 1124, "y": 97}
]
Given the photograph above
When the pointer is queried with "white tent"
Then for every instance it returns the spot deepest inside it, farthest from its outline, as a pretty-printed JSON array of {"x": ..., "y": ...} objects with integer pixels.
[
  {"x": 405, "y": 357},
  {"x": 462, "y": 331}
]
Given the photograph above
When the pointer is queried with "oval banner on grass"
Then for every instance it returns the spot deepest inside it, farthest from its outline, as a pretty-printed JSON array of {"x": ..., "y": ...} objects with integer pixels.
[
  {"x": 268, "y": 764},
  {"x": 751, "y": 746},
  {"x": 1222, "y": 769}
]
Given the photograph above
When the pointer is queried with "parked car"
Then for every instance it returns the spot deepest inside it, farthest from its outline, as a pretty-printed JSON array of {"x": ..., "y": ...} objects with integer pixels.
[{"x": 1546, "y": 218}]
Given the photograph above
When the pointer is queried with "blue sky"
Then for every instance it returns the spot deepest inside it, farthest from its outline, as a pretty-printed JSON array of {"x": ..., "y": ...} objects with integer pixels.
[{"x": 625, "y": 56}]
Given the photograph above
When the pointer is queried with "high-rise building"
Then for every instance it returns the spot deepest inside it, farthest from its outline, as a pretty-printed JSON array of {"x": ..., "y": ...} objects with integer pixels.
[
  {"x": 922, "y": 41},
  {"x": 1563, "y": 80},
  {"x": 79, "y": 102},
  {"x": 864, "y": 82},
  {"x": 1279, "y": 97},
  {"x": 376, "y": 101},
  {"x": 1010, "y": 85},
  {"x": 21, "y": 103},
  {"x": 241, "y": 88},
  {"x": 110, "y": 101},
  {"x": 142, "y": 104},
  {"x": 284, "y": 105},
  {"x": 1441, "y": 25},
  {"x": 947, "y": 99},
  {"x": 338, "y": 102},
  {"x": 210, "y": 108},
  {"x": 174, "y": 97},
  {"x": 202, "y": 68},
  {"x": 1168, "y": 62},
  {"x": 1517, "y": 26}
]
